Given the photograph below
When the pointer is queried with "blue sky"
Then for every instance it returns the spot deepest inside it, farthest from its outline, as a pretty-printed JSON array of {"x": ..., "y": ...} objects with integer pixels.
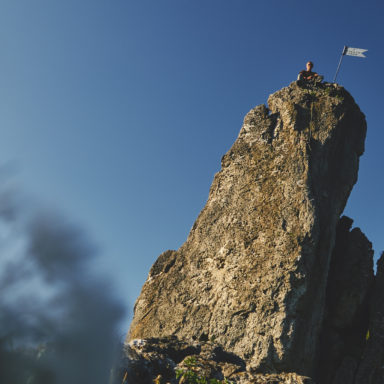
[{"x": 118, "y": 112}]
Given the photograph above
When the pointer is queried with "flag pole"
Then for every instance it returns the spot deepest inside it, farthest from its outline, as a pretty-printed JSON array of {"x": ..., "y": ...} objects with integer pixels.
[{"x": 341, "y": 59}]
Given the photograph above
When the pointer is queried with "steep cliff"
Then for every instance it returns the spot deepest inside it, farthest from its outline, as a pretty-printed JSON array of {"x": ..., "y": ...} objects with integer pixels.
[
  {"x": 252, "y": 275},
  {"x": 349, "y": 287}
]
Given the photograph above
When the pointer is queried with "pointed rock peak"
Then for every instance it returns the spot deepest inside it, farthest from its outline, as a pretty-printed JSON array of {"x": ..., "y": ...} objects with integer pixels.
[{"x": 252, "y": 274}]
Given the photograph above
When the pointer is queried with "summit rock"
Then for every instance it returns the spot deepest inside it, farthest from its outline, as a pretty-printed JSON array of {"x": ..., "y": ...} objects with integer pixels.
[{"x": 252, "y": 275}]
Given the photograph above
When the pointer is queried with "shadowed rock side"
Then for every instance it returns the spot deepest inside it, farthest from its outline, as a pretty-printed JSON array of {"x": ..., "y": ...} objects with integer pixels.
[
  {"x": 371, "y": 367},
  {"x": 364, "y": 364},
  {"x": 350, "y": 280},
  {"x": 252, "y": 273}
]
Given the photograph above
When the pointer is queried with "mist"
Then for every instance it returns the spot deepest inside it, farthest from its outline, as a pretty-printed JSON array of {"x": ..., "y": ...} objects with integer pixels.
[{"x": 58, "y": 318}]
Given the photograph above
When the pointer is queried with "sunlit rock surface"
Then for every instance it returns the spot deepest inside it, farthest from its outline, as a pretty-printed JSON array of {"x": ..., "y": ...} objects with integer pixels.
[{"x": 252, "y": 275}]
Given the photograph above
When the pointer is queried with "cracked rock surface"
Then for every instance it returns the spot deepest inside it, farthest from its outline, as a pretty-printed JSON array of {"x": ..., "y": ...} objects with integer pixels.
[{"x": 252, "y": 274}]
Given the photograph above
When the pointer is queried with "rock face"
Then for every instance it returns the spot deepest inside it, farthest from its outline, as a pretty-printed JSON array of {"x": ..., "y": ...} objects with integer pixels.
[
  {"x": 157, "y": 360},
  {"x": 350, "y": 283},
  {"x": 252, "y": 275},
  {"x": 371, "y": 367}
]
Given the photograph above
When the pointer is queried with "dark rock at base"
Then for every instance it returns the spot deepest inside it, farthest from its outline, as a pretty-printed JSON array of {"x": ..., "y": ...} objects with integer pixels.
[
  {"x": 349, "y": 285},
  {"x": 345, "y": 373},
  {"x": 371, "y": 367}
]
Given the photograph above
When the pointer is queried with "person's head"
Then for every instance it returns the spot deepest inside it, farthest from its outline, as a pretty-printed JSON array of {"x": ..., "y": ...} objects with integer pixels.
[{"x": 309, "y": 66}]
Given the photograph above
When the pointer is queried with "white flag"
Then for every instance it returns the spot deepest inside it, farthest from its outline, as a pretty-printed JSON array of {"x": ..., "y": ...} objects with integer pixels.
[{"x": 358, "y": 52}]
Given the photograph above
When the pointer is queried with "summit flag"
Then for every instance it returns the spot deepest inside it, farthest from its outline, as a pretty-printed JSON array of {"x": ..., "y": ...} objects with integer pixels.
[
  {"x": 358, "y": 52},
  {"x": 349, "y": 51}
]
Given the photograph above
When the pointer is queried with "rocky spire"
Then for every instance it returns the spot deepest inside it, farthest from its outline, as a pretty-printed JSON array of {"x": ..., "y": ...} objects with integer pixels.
[{"x": 252, "y": 274}]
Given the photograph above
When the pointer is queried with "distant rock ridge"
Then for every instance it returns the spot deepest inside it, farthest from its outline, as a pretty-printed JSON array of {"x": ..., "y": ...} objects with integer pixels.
[{"x": 260, "y": 275}]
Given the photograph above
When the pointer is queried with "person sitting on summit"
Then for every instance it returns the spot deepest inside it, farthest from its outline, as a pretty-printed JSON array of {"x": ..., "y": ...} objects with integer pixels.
[{"x": 308, "y": 74}]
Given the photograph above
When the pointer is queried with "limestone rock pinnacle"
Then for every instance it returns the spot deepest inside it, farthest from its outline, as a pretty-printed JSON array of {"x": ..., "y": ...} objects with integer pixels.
[{"x": 252, "y": 274}]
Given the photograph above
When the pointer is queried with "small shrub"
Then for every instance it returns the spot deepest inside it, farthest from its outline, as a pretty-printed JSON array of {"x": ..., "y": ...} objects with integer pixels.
[{"x": 190, "y": 376}]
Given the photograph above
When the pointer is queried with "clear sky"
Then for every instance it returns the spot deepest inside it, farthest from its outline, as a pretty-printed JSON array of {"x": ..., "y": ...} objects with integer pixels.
[{"x": 117, "y": 112}]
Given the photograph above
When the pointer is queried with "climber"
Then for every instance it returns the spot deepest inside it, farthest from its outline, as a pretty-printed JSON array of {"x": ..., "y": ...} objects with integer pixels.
[{"x": 308, "y": 75}]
